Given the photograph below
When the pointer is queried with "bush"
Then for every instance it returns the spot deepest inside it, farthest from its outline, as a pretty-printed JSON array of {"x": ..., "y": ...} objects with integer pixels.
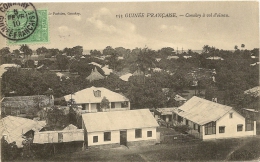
[{"x": 181, "y": 128}]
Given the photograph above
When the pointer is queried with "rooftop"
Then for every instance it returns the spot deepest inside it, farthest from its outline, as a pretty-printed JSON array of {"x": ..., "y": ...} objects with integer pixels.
[
  {"x": 14, "y": 127},
  {"x": 88, "y": 96},
  {"x": 116, "y": 120},
  {"x": 202, "y": 111}
]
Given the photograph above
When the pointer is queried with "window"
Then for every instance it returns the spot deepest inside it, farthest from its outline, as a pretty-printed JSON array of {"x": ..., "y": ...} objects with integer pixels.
[
  {"x": 180, "y": 119},
  {"x": 249, "y": 125},
  {"x": 222, "y": 129},
  {"x": 210, "y": 128},
  {"x": 194, "y": 126},
  {"x": 230, "y": 115},
  {"x": 174, "y": 116},
  {"x": 97, "y": 93},
  {"x": 95, "y": 139},
  {"x": 107, "y": 136},
  {"x": 187, "y": 122},
  {"x": 98, "y": 106},
  {"x": 198, "y": 128},
  {"x": 240, "y": 127},
  {"x": 113, "y": 104},
  {"x": 124, "y": 104},
  {"x": 149, "y": 133},
  {"x": 138, "y": 133}
]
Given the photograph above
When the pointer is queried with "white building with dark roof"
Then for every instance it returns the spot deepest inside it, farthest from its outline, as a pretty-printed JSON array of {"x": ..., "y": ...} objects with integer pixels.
[
  {"x": 211, "y": 120},
  {"x": 112, "y": 129},
  {"x": 90, "y": 99}
]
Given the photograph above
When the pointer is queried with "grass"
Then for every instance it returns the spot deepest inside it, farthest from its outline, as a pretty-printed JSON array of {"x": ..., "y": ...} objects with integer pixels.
[{"x": 215, "y": 150}]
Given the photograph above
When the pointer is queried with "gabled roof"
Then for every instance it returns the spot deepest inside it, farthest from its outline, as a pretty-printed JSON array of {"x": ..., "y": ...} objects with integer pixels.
[
  {"x": 118, "y": 120},
  {"x": 179, "y": 98},
  {"x": 126, "y": 77},
  {"x": 253, "y": 91},
  {"x": 166, "y": 111},
  {"x": 13, "y": 127},
  {"x": 95, "y": 75},
  {"x": 106, "y": 70},
  {"x": 87, "y": 96},
  {"x": 202, "y": 111}
]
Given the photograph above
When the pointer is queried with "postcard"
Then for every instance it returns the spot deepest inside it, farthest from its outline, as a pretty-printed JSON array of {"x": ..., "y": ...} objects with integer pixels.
[{"x": 130, "y": 81}]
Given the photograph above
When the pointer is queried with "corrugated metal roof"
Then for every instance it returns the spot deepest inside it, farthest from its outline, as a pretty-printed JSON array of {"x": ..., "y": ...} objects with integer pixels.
[
  {"x": 202, "y": 111},
  {"x": 87, "y": 96},
  {"x": 118, "y": 120},
  {"x": 166, "y": 111},
  {"x": 14, "y": 127}
]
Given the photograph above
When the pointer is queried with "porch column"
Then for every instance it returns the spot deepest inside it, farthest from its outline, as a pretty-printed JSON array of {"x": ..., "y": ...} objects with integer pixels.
[
  {"x": 89, "y": 107},
  {"x": 109, "y": 106},
  {"x": 128, "y": 105}
]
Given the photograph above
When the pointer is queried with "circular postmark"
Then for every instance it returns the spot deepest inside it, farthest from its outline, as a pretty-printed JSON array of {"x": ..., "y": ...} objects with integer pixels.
[{"x": 17, "y": 20}]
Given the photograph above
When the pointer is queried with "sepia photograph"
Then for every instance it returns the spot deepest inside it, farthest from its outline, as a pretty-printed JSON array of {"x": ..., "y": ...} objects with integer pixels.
[{"x": 130, "y": 81}]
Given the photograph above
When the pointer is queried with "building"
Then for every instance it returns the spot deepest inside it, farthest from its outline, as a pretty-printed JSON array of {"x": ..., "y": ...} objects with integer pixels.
[
  {"x": 126, "y": 77},
  {"x": 215, "y": 58},
  {"x": 20, "y": 105},
  {"x": 164, "y": 113},
  {"x": 95, "y": 75},
  {"x": 179, "y": 100},
  {"x": 73, "y": 135},
  {"x": 112, "y": 129},
  {"x": 211, "y": 120},
  {"x": 90, "y": 98},
  {"x": 13, "y": 129},
  {"x": 255, "y": 92}
]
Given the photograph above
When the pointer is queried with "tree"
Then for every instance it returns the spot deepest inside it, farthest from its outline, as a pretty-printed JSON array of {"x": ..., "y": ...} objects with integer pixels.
[
  {"x": 4, "y": 54},
  {"x": 206, "y": 49},
  {"x": 144, "y": 61},
  {"x": 56, "y": 118},
  {"x": 242, "y": 46},
  {"x": 26, "y": 50},
  {"x": 104, "y": 104},
  {"x": 236, "y": 47},
  {"x": 108, "y": 51},
  {"x": 42, "y": 50},
  {"x": 62, "y": 62}
]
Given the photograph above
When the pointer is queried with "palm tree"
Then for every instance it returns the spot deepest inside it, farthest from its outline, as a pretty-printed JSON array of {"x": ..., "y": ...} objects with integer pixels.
[
  {"x": 206, "y": 48},
  {"x": 243, "y": 46},
  {"x": 236, "y": 47}
]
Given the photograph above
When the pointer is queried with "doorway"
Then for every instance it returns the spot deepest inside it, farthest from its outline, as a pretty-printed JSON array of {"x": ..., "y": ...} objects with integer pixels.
[{"x": 123, "y": 137}]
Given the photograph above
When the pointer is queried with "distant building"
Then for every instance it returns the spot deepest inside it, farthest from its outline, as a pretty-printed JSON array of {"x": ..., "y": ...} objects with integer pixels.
[
  {"x": 255, "y": 92},
  {"x": 4, "y": 67},
  {"x": 215, "y": 58},
  {"x": 179, "y": 100},
  {"x": 20, "y": 105},
  {"x": 172, "y": 57},
  {"x": 211, "y": 120},
  {"x": 112, "y": 129},
  {"x": 164, "y": 113},
  {"x": 106, "y": 70},
  {"x": 126, "y": 77},
  {"x": 90, "y": 98},
  {"x": 95, "y": 75}
]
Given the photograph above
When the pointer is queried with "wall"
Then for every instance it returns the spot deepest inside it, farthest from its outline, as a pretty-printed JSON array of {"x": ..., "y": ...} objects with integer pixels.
[
  {"x": 131, "y": 134},
  {"x": 230, "y": 127},
  {"x": 115, "y": 136}
]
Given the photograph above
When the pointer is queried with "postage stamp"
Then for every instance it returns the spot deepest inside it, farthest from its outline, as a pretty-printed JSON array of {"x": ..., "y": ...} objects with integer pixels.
[
  {"x": 17, "y": 20},
  {"x": 41, "y": 33}
]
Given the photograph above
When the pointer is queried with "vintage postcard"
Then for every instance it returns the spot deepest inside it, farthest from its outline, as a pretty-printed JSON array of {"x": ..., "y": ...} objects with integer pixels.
[{"x": 130, "y": 81}]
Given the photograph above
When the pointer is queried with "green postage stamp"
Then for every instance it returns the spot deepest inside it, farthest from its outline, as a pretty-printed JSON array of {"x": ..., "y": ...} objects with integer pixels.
[{"x": 39, "y": 35}]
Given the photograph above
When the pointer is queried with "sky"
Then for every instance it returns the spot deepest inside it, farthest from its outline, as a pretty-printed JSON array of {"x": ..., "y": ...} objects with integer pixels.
[{"x": 98, "y": 27}]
